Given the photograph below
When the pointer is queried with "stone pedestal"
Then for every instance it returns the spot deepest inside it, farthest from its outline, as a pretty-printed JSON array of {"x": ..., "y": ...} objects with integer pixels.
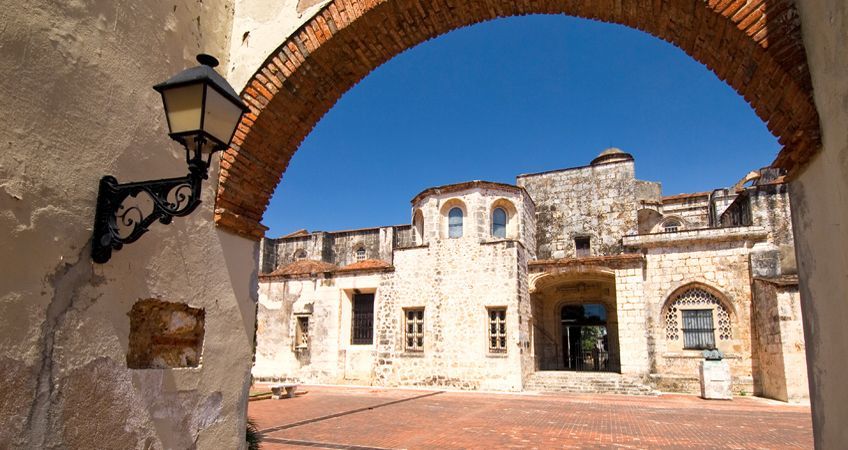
[{"x": 715, "y": 380}]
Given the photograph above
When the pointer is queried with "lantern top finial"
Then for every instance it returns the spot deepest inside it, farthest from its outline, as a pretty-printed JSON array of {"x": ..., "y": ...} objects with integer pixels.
[{"x": 207, "y": 60}]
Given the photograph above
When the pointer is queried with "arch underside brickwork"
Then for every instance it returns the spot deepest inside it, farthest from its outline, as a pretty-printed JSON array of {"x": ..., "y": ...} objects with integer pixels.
[{"x": 753, "y": 45}]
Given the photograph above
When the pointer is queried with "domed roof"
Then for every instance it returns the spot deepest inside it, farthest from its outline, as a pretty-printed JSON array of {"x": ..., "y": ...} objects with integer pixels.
[{"x": 612, "y": 155}]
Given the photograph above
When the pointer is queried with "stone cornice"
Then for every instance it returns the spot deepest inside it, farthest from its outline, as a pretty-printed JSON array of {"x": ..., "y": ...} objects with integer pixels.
[{"x": 695, "y": 236}]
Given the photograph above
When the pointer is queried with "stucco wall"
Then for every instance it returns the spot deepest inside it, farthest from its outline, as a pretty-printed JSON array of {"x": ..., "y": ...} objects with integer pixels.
[
  {"x": 76, "y": 80},
  {"x": 259, "y": 27},
  {"x": 820, "y": 217}
]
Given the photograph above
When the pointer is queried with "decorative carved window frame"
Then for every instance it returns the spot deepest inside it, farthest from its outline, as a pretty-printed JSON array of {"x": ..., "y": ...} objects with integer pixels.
[{"x": 696, "y": 297}]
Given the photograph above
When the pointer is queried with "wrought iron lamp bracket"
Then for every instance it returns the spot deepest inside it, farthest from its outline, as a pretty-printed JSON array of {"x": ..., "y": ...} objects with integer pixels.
[{"x": 122, "y": 216}]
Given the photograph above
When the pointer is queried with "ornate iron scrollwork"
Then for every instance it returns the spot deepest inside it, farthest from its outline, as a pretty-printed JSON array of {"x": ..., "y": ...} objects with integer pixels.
[{"x": 123, "y": 215}]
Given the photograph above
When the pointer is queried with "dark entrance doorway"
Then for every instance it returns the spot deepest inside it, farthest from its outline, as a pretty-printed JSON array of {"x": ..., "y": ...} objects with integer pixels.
[{"x": 585, "y": 341}]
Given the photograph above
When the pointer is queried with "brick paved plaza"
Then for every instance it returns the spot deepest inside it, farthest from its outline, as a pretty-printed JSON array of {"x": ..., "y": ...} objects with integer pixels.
[{"x": 348, "y": 417}]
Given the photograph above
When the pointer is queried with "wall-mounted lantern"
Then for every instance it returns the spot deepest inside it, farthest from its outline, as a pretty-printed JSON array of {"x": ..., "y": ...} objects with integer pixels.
[{"x": 203, "y": 111}]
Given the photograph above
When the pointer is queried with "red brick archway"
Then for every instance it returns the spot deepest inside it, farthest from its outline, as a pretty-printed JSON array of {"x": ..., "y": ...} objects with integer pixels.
[{"x": 754, "y": 45}]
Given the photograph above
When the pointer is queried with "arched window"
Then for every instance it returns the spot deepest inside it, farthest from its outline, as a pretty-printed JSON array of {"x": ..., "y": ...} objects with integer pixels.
[
  {"x": 360, "y": 254},
  {"x": 703, "y": 318},
  {"x": 499, "y": 223},
  {"x": 670, "y": 226},
  {"x": 418, "y": 227},
  {"x": 455, "y": 223},
  {"x": 299, "y": 254}
]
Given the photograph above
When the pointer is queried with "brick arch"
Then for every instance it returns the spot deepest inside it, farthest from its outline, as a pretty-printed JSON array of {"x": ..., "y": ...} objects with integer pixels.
[{"x": 753, "y": 45}]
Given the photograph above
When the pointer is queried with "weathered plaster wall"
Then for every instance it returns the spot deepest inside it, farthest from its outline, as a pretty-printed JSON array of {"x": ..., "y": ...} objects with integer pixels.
[
  {"x": 820, "y": 217},
  {"x": 78, "y": 105},
  {"x": 258, "y": 28}
]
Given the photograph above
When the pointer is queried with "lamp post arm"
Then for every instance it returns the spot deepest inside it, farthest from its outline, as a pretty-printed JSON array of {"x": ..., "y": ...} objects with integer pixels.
[{"x": 123, "y": 217}]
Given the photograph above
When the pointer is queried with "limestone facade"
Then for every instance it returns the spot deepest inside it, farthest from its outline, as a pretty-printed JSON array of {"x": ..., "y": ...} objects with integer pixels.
[{"x": 585, "y": 269}]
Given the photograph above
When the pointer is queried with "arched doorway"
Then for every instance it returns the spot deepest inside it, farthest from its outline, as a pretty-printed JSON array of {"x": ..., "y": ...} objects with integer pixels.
[{"x": 585, "y": 338}]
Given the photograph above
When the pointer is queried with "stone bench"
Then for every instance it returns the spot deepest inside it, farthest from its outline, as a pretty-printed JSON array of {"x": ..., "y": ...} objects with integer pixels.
[{"x": 286, "y": 390}]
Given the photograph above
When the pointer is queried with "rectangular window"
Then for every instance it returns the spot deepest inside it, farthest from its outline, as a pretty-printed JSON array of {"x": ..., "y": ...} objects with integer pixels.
[
  {"x": 363, "y": 319},
  {"x": 301, "y": 337},
  {"x": 582, "y": 247},
  {"x": 698, "y": 331},
  {"x": 414, "y": 332},
  {"x": 497, "y": 330}
]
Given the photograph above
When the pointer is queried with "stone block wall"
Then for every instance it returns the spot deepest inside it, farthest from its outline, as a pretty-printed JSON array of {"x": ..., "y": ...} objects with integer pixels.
[
  {"x": 778, "y": 340},
  {"x": 633, "y": 319},
  {"x": 693, "y": 209},
  {"x": 455, "y": 281},
  {"x": 477, "y": 199},
  {"x": 717, "y": 263},
  {"x": 770, "y": 209},
  {"x": 338, "y": 247},
  {"x": 325, "y": 300},
  {"x": 598, "y": 201}
]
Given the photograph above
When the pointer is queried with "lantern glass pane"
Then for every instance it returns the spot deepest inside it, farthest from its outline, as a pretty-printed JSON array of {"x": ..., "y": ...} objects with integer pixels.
[
  {"x": 183, "y": 106},
  {"x": 221, "y": 116}
]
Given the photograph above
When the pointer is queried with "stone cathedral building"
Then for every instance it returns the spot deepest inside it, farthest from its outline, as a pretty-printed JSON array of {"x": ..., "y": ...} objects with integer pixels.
[{"x": 579, "y": 279}]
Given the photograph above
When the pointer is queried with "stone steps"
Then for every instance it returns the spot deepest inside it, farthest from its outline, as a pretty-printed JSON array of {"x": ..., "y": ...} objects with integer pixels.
[{"x": 586, "y": 383}]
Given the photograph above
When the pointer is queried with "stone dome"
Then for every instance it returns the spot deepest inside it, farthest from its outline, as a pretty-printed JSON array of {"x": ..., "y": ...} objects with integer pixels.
[{"x": 612, "y": 155}]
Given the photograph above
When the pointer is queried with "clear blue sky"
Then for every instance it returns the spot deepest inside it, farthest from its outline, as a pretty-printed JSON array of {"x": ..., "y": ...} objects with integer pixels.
[{"x": 512, "y": 96}]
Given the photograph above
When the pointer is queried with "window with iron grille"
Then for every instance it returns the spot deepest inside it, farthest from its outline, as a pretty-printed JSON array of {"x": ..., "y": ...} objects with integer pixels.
[
  {"x": 697, "y": 298},
  {"x": 497, "y": 330},
  {"x": 698, "y": 331},
  {"x": 582, "y": 246},
  {"x": 360, "y": 254},
  {"x": 414, "y": 334},
  {"x": 302, "y": 332},
  {"x": 362, "y": 320}
]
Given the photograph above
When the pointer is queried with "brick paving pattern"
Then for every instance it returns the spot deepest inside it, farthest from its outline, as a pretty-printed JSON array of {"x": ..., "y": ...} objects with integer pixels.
[{"x": 347, "y": 417}]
